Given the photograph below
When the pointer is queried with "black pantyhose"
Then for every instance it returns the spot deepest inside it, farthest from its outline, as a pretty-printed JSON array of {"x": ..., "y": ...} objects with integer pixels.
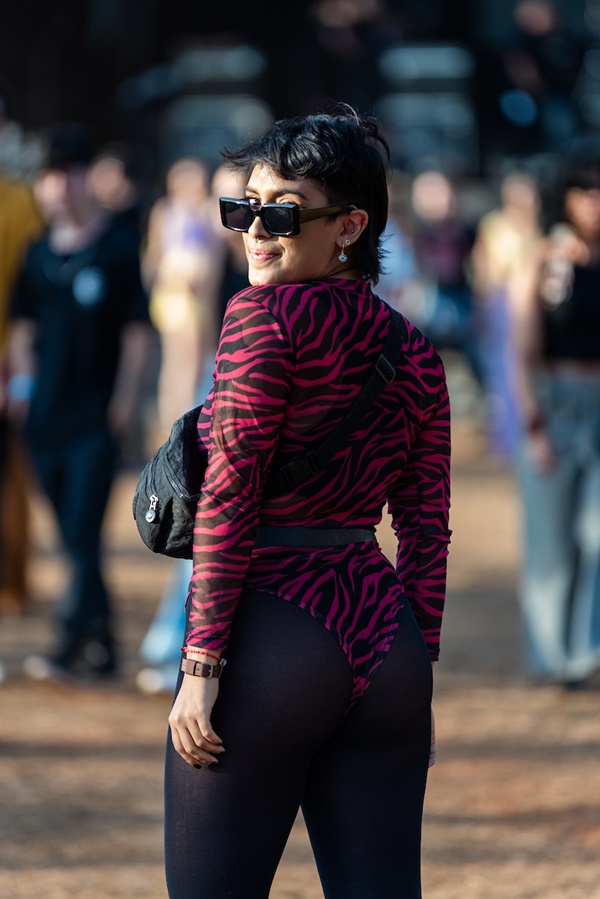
[{"x": 281, "y": 714}]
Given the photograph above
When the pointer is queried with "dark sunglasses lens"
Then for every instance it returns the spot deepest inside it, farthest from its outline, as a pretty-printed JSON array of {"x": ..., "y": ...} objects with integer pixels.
[
  {"x": 236, "y": 215},
  {"x": 278, "y": 219}
]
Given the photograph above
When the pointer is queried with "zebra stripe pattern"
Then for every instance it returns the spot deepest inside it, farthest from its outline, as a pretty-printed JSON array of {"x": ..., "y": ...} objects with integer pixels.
[{"x": 291, "y": 361}]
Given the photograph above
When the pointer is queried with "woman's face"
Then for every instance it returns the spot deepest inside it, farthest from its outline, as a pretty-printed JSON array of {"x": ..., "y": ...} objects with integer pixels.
[
  {"x": 583, "y": 211},
  {"x": 310, "y": 255}
]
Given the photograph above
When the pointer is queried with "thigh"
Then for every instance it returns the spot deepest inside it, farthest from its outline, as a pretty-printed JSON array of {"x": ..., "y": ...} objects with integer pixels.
[
  {"x": 548, "y": 512},
  {"x": 49, "y": 468},
  {"x": 364, "y": 799},
  {"x": 283, "y": 694},
  {"x": 587, "y": 523}
]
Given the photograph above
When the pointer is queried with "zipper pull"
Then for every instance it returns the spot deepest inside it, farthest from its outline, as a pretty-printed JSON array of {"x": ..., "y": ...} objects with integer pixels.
[{"x": 151, "y": 513}]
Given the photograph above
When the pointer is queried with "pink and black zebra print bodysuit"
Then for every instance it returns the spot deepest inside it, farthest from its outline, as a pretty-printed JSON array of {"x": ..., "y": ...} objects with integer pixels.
[{"x": 291, "y": 360}]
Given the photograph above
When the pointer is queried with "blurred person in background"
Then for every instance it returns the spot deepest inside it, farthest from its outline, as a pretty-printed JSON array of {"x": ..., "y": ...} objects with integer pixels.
[
  {"x": 234, "y": 274},
  {"x": 116, "y": 189},
  {"x": 538, "y": 74},
  {"x": 506, "y": 238},
  {"x": 558, "y": 345},
  {"x": 399, "y": 263},
  {"x": 116, "y": 183},
  {"x": 20, "y": 222},
  {"x": 160, "y": 650},
  {"x": 20, "y": 152},
  {"x": 440, "y": 301},
  {"x": 79, "y": 335},
  {"x": 181, "y": 267}
]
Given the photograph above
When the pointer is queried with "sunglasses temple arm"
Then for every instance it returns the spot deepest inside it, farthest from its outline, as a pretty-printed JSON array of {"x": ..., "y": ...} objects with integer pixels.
[{"x": 309, "y": 215}]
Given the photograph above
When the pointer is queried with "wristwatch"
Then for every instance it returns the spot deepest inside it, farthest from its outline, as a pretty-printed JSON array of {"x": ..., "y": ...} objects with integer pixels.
[{"x": 202, "y": 669}]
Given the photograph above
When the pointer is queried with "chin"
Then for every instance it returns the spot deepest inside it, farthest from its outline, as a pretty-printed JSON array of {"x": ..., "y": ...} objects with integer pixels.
[
  {"x": 255, "y": 280},
  {"x": 259, "y": 279}
]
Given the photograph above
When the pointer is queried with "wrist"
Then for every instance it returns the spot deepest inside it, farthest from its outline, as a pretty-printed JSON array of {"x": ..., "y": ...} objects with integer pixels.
[
  {"x": 198, "y": 668},
  {"x": 201, "y": 655},
  {"x": 20, "y": 387},
  {"x": 534, "y": 424}
]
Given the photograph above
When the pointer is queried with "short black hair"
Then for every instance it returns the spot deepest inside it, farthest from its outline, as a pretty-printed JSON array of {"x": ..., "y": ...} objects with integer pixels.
[
  {"x": 68, "y": 144},
  {"x": 346, "y": 154}
]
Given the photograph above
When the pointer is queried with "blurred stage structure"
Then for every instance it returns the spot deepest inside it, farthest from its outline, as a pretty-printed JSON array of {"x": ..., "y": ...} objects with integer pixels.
[
  {"x": 458, "y": 83},
  {"x": 428, "y": 107}
]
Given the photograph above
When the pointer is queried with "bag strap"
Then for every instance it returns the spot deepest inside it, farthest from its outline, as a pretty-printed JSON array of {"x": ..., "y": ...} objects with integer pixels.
[{"x": 384, "y": 372}]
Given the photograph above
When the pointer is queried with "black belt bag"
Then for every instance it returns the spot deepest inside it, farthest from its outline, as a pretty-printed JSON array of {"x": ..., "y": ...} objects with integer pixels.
[{"x": 168, "y": 489}]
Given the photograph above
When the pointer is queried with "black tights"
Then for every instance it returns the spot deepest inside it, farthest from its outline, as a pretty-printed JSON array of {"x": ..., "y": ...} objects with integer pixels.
[{"x": 360, "y": 778}]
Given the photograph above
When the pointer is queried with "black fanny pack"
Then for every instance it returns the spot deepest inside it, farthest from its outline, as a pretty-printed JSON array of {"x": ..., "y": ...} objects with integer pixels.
[{"x": 168, "y": 489}]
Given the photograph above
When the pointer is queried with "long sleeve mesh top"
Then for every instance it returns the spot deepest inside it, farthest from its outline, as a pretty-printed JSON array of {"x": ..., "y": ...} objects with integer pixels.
[{"x": 291, "y": 360}]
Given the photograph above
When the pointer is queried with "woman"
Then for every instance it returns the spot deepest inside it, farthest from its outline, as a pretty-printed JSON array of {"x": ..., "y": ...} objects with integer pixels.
[
  {"x": 559, "y": 363},
  {"x": 181, "y": 267},
  {"x": 325, "y": 700},
  {"x": 506, "y": 238}
]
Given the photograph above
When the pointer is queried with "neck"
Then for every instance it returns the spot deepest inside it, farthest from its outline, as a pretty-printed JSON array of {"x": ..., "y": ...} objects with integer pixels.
[
  {"x": 74, "y": 233},
  {"x": 347, "y": 271}
]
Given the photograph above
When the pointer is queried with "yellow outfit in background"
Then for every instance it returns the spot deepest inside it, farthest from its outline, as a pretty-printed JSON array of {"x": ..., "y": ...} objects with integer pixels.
[{"x": 20, "y": 223}]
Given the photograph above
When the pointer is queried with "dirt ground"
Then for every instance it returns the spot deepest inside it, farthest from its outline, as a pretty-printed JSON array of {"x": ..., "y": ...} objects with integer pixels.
[{"x": 513, "y": 804}]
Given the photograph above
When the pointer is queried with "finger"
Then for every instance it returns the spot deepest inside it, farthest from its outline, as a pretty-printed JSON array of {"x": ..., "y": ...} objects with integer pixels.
[
  {"x": 208, "y": 733},
  {"x": 200, "y": 729},
  {"x": 189, "y": 750},
  {"x": 202, "y": 742}
]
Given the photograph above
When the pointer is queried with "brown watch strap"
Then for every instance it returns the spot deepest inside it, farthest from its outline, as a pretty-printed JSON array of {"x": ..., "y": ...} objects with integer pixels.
[{"x": 202, "y": 669}]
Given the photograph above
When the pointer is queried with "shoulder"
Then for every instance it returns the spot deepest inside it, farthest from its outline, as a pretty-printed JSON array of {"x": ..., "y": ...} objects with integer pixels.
[
  {"x": 36, "y": 250},
  {"x": 118, "y": 236},
  {"x": 423, "y": 361},
  {"x": 282, "y": 301},
  {"x": 15, "y": 192}
]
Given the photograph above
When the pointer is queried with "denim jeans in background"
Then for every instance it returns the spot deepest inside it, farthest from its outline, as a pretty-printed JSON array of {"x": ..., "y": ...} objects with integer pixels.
[
  {"x": 162, "y": 644},
  {"x": 77, "y": 478},
  {"x": 560, "y": 583}
]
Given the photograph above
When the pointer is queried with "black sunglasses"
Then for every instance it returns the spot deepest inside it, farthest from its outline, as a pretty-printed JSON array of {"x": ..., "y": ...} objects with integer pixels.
[{"x": 279, "y": 219}]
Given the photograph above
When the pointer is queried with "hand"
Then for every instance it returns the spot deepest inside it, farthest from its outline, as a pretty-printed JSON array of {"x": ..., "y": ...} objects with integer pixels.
[
  {"x": 540, "y": 451},
  {"x": 17, "y": 411},
  {"x": 191, "y": 731},
  {"x": 120, "y": 415},
  {"x": 433, "y": 746}
]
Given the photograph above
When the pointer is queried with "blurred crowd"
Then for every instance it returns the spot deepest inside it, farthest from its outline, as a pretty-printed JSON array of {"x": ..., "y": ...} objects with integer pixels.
[{"x": 111, "y": 300}]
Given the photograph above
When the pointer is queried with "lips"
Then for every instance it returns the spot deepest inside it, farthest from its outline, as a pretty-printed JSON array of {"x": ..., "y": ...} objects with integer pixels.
[{"x": 259, "y": 256}]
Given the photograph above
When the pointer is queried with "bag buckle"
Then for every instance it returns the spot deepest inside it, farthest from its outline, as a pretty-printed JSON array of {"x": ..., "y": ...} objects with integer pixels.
[{"x": 385, "y": 369}]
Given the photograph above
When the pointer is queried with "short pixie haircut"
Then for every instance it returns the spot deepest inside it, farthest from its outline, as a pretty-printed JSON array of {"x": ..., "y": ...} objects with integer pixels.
[{"x": 345, "y": 154}]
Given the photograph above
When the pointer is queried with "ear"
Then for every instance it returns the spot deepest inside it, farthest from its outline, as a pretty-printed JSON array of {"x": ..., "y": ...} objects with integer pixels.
[{"x": 352, "y": 225}]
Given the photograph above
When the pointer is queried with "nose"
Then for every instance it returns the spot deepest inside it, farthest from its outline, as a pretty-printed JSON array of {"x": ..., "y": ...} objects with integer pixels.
[{"x": 257, "y": 229}]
